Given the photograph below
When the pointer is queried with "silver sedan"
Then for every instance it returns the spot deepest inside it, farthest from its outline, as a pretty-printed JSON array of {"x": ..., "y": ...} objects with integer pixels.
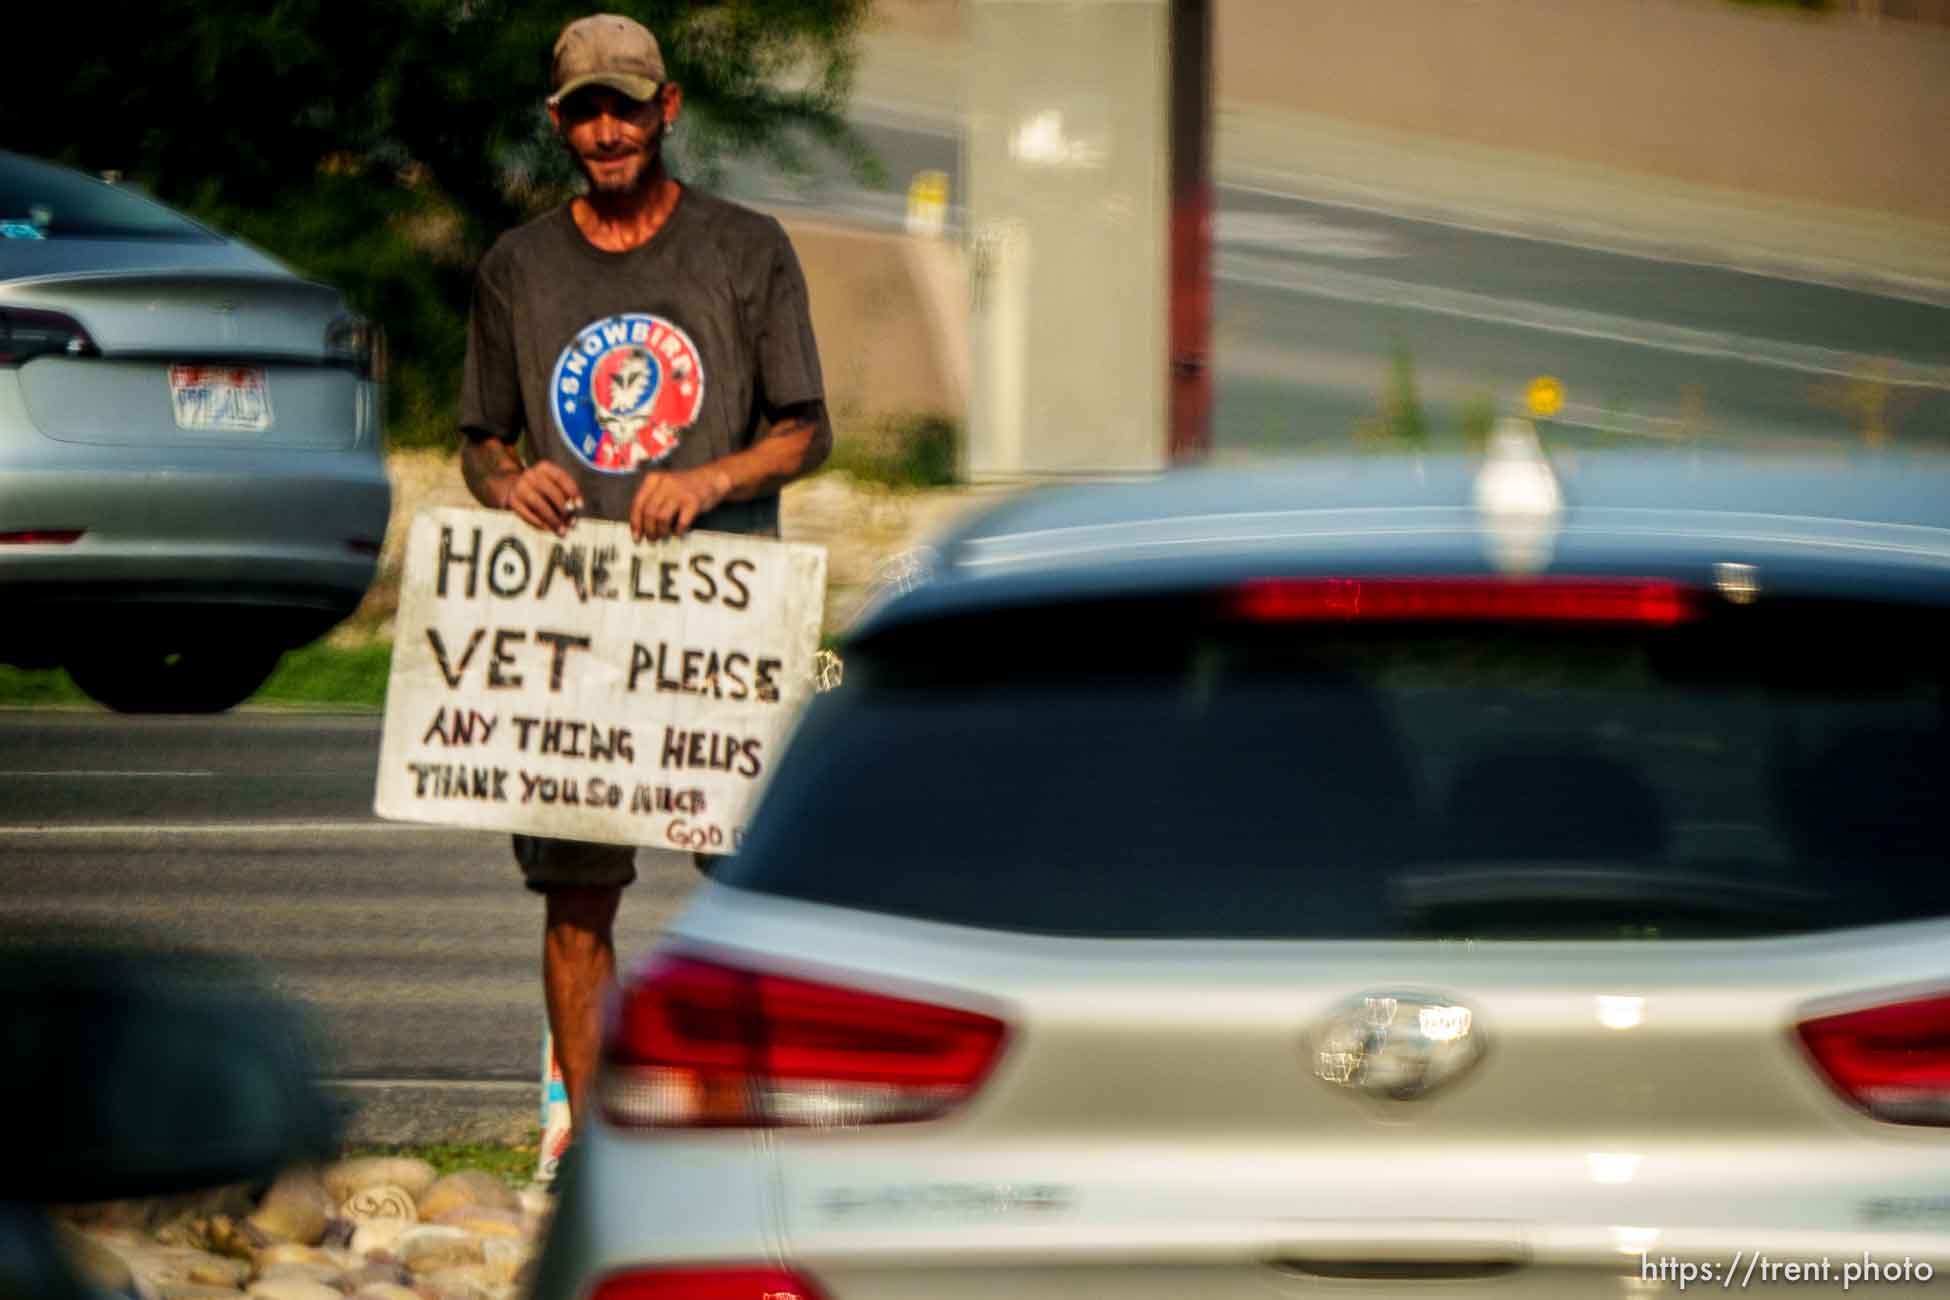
[{"x": 192, "y": 474}]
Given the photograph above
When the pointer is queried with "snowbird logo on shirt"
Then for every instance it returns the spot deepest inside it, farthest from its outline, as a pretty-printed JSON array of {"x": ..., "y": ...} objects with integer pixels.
[{"x": 625, "y": 389}]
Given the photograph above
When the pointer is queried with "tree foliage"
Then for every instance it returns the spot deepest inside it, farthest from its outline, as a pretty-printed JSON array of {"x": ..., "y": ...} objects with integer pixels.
[{"x": 381, "y": 144}]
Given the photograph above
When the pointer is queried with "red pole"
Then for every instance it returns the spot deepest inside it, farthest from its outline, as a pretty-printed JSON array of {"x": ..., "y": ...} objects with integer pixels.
[{"x": 1190, "y": 436}]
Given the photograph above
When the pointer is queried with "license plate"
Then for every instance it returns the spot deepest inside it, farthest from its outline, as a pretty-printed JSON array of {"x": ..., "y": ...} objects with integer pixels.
[{"x": 229, "y": 399}]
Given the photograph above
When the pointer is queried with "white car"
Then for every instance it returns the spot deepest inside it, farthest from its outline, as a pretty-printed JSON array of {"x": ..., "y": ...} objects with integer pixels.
[{"x": 1327, "y": 883}]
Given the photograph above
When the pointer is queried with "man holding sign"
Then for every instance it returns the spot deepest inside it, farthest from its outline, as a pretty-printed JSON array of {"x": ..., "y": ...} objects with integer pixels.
[{"x": 655, "y": 346}]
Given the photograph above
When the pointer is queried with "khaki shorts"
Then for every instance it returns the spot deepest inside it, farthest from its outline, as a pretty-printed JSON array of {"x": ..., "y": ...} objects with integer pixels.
[{"x": 569, "y": 864}]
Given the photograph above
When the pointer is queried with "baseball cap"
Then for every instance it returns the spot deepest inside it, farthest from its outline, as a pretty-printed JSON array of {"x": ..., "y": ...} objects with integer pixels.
[{"x": 608, "y": 50}]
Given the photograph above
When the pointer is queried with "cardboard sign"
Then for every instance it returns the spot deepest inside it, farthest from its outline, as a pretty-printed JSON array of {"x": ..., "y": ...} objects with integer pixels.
[{"x": 591, "y": 687}]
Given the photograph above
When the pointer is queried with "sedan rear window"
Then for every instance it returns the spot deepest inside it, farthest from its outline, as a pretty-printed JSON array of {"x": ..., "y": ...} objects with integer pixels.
[
  {"x": 1151, "y": 771},
  {"x": 42, "y": 201}
]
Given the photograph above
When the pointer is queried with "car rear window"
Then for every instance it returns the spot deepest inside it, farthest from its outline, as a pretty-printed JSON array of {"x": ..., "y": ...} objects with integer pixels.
[
  {"x": 1151, "y": 771},
  {"x": 41, "y": 201}
]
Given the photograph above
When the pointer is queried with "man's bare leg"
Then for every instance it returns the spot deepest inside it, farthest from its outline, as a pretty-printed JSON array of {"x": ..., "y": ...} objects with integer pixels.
[{"x": 578, "y": 963}]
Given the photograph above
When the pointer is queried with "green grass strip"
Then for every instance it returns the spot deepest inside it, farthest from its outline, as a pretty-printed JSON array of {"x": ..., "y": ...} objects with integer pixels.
[
  {"x": 326, "y": 674},
  {"x": 514, "y": 1165}
]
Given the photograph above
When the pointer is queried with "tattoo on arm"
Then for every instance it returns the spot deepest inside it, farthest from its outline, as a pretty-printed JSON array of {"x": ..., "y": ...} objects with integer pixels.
[
  {"x": 806, "y": 423},
  {"x": 794, "y": 445},
  {"x": 490, "y": 468}
]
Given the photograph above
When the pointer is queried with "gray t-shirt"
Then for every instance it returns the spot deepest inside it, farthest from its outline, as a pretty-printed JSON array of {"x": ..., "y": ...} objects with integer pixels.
[{"x": 663, "y": 357}]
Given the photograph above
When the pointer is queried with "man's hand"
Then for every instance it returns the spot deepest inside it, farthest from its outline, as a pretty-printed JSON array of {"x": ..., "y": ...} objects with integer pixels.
[
  {"x": 544, "y": 495},
  {"x": 668, "y": 503}
]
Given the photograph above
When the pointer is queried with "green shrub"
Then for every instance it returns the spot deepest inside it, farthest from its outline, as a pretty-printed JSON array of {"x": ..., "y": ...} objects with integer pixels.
[{"x": 910, "y": 452}]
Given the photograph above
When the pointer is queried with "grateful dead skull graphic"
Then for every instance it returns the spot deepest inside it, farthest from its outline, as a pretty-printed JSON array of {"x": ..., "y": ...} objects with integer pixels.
[{"x": 625, "y": 389}]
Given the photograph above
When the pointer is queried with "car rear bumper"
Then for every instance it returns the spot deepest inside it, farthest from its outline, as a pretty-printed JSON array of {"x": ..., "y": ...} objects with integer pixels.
[{"x": 272, "y": 551}]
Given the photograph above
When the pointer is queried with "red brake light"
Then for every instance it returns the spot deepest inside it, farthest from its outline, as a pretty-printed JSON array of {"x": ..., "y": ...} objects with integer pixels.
[
  {"x": 41, "y": 536},
  {"x": 1893, "y": 1061},
  {"x": 26, "y": 333},
  {"x": 707, "y": 1284},
  {"x": 694, "y": 1043},
  {"x": 1464, "y": 599}
]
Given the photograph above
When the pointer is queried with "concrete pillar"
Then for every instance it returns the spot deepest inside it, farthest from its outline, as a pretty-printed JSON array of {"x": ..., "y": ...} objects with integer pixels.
[{"x": 1068, "y": 164}]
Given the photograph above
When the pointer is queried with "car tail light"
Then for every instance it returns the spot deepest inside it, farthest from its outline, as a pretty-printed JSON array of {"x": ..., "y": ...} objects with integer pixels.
[
  {"x": 26, "y": 334},
  {"x": 1468, "y": 599},
  {"x": 357, "y": 344},
  {"x": 707, "y": 1284},
  {"x": 1892, "y": 1060},
  {"x": 694, "y": 1043},
  {"x": 41, "y": 537}
]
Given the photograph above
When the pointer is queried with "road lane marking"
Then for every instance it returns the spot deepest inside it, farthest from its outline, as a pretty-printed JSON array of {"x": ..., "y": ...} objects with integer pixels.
[
  {"x": 1375, "y": 290},
  {"x": 337, "y": 827},
  {"x": 106, "y": 772},
  {"x": 1709, "y": 251}
]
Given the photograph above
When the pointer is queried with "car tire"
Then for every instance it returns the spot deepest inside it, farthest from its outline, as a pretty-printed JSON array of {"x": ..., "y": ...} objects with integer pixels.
[{"x": 202, "y": 679}]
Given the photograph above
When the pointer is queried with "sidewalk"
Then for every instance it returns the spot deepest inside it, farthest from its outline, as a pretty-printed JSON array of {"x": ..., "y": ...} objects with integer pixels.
[{"x": 910, "y": 72}]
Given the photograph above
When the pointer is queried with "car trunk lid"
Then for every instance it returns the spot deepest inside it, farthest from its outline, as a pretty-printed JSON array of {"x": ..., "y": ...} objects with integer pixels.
[
  {"x": 1165, "y": 1101},
  {"x": 193, "y": 357}
]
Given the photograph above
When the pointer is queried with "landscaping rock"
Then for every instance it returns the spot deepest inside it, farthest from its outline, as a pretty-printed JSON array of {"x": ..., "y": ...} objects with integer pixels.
[
  {"x": 157, "y": 1263},
  {"x": 295, "y": 1209},
  {"x": 382, "y": 1242},
  {"x": 176, "y": 1220},
  {"x": 196, "y": 1291},
  {"x": 162, "y": 1264},
  {"x": 464, "y": 1188},
  {"x": 348, "y": 1178},
  {"x": 93, "y": 1260},
  {"x": 193, "y": 1233},
  {"x": 535, "y": 1201},
  {"x": 378, "y": 1235},
  {"x": 323, "y": 1274},
  {"x": 288, "y": 1252},
  {"x": 218, "y": 1270},
  {"x": 429, "y": 1249},
  {"x": 222, "y": 1235},
  {"x": 484, "y": 1221},
  {"x": 459, "y": 1284},
  {"x": 504, "y": 1259},
  {"x": 293, "y": 1288},
  {"x": 379, "y": 1273},
  {"x": 382, "y": 1201}
]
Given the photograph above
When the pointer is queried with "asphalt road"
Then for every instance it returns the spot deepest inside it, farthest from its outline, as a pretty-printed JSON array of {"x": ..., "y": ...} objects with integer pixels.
[
  {"x": 1316, "y": 301},
  {"x": 252, "y": 836}
]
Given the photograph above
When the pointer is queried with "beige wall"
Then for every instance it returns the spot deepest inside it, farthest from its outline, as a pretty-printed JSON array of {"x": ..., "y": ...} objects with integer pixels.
[
  {"x": 1844, "y": 109},
  {"x": 1839, "y": 110},
  {"x": 888, "y": 343}
]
